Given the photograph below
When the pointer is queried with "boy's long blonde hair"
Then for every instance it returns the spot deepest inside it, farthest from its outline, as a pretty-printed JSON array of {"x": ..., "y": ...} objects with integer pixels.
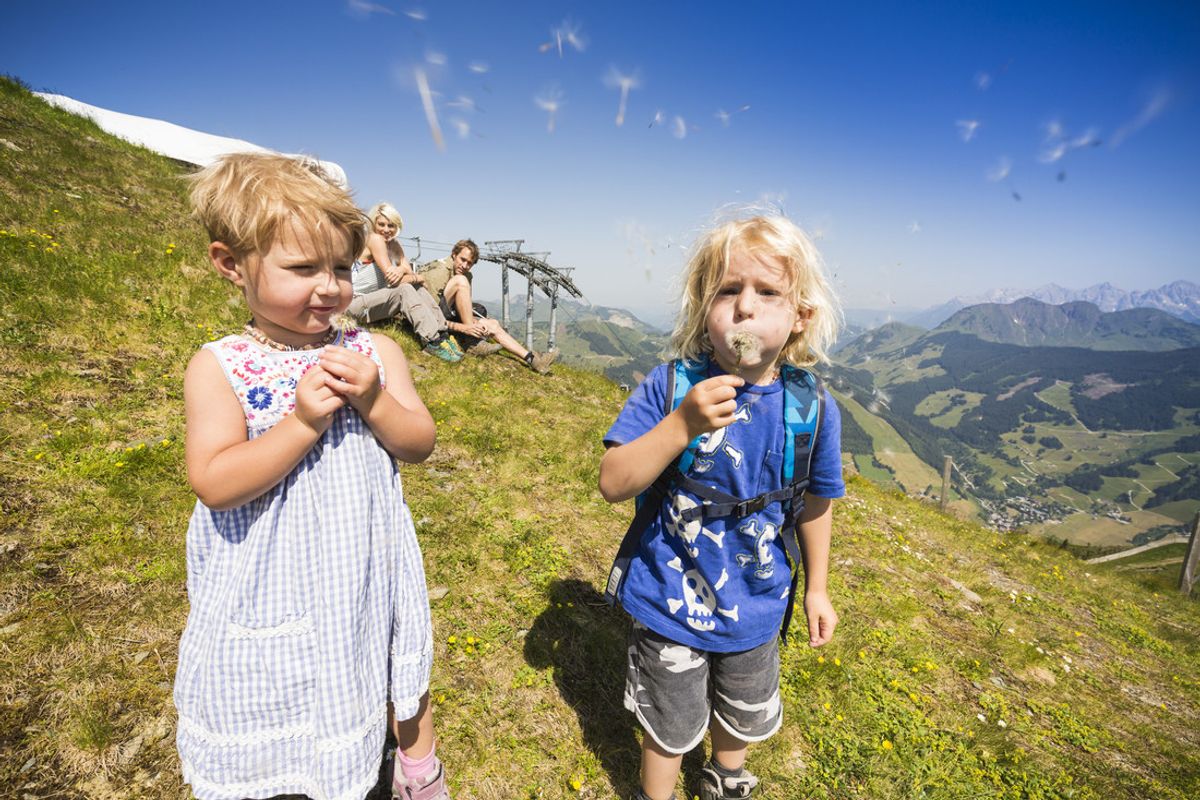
[
  {"x": 247, "y": 201},
  {"x": 777, "y": 237}
]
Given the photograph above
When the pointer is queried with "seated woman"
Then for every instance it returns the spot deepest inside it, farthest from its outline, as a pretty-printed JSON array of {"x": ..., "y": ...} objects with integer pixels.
[
  {"x": 386, "y": 286},
  {"x": 449, "y": 279}
]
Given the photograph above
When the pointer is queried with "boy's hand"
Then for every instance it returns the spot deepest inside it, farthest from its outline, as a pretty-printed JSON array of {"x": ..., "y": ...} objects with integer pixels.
[
  {"x": 352, "y": 376},
  {"x": 710, "y": 405},
  {"x": 822, "y": 619},
  {"x": 315, "y": 401}
]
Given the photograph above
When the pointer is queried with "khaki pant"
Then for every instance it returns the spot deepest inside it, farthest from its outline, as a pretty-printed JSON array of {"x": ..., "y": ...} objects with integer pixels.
[{"x": 412, "y": 303}]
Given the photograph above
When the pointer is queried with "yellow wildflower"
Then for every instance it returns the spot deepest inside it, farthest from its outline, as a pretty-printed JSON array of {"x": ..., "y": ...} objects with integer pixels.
[
  {"x": 886, "y": 745},
  {"x": 451, "y": 639},
  {"x": 576, "y": 784}
]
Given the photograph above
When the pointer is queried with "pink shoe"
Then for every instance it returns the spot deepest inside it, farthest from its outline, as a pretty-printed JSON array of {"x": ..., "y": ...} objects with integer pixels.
[{"x": 432, "y": 787}]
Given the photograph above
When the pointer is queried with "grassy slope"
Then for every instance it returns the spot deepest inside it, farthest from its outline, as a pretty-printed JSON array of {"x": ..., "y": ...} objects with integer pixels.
[{"x": 1095, "y": 677}]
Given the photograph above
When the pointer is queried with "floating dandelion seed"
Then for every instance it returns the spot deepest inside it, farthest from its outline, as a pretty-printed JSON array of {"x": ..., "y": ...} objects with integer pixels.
[
  {"x": 967, "y": 128},
  {"x": 435, "y": 58},
  {"x": 435, "y": 130},
  {"x": 742, "y": 342},
  {"x": 461, "y": 127},
  {"x": 1000, "y": 171},
  {"x": 478, "y": 67},
  {"x": 982, "y": 80},
  {"x": 568, "y": 32},
  {"x": 549, "y": 101},
  {"x": 678, "y": 127},
  {"x": 364, "y": 8},
  {"x": 914, "y": 227},
  {"x": 417, "y": 14},
  {"x": 619, "y": 80},
  {"x": 725, "y": 116},
  {"x": 659, "y": 116},
  {"x": 1153, "y": 108},
  {"x": 463, "y": 102},
  {"x": 1057, "y": 143}
]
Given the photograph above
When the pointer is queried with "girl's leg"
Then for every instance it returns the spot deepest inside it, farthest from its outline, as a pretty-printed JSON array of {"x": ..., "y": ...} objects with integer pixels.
[
  {"x": 414, "y": 736},
  {"x": 660, "y": 769},
  {"x": 727, "y": 750}
]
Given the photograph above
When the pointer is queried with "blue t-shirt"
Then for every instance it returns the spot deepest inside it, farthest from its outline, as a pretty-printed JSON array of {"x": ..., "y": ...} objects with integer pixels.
[{"x": 721, "y": 584}]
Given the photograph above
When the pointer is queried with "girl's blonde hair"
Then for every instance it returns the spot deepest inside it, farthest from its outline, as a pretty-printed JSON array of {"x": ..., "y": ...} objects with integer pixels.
[
  {"x": 776, "y": 237},
  {"x": 388, "y": 212},
  {"x": 248, "y": 201}
]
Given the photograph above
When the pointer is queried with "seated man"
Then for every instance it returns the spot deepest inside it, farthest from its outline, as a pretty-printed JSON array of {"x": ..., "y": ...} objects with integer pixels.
[{"x": 449, "y": 279}]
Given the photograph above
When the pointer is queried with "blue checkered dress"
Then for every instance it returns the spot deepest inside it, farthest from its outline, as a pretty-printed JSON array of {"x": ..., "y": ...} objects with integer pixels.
[{"x": 308, "y": 608}]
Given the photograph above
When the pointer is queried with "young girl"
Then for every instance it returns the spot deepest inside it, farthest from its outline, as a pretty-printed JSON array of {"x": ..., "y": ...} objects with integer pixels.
[
  {"x": 308, "y": 606},
  {"x": 386, "y": 286},
  {"x": 708, "y": 594}
]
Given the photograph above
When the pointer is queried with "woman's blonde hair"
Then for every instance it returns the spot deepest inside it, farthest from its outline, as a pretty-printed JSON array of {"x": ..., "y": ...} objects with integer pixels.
[
  {"x": 248, "y": 200},
  {"x": 772, "y": 236},
  {"x": 388, "y": 212}
]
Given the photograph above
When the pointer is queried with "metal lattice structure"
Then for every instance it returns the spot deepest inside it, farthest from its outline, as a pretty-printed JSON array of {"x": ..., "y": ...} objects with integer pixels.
[{"x": 550, "y": 280}]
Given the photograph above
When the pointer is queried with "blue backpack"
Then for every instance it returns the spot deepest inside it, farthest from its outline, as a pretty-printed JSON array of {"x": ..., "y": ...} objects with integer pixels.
[{"x": 803, "y": 410}]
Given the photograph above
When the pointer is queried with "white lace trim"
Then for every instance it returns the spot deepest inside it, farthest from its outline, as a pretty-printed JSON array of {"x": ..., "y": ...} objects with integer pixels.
[
  {"x": 295, "y": 627},
  {"x": 407, "y": 659},
  {"x": 276, "y": 784},
  {"x": 269, "y": 735}
]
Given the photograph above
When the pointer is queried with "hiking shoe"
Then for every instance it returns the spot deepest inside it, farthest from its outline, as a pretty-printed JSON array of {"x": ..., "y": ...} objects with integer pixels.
[
  {"x": 450, "y": 340},
  {"x": 443, "y": 350},
  {"x": 432, "y": 789},
  {"x": 541, "y": 361},
  {"x": 482, "y": 349},
  {"x": 714, "y": 786}
]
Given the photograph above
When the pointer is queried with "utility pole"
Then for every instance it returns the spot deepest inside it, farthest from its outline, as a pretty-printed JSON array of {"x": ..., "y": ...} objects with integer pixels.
[
  {"x": 946, "y": 465},
  {"x": 1187, "y": 578}
]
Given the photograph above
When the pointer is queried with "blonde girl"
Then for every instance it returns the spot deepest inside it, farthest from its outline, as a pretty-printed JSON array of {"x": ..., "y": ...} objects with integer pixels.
[{"x": 309, "y": 619}]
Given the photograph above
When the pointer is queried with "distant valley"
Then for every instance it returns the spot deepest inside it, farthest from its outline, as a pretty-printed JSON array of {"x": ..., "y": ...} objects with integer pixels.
[{"x": 1078, "y": 424}]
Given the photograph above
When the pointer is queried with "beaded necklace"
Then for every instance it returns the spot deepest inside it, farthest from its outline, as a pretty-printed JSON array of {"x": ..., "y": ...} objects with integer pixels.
[{"x": 255, "y": 334}]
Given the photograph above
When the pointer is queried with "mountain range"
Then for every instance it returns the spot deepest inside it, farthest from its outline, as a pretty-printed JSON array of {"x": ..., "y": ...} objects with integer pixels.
[{"x": 1180, "y": 299}]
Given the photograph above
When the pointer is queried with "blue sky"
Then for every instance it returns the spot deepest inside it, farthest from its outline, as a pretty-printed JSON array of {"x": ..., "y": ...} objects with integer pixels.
[{"x": 852, "y": 126}]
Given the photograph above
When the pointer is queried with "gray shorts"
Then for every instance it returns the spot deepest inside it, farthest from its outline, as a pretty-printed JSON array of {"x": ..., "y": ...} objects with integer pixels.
[{"x": 673, "y": 690}]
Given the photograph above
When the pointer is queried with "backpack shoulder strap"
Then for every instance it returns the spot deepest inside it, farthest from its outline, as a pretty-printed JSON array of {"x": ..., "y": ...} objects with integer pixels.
[{"x": 803, "y": 410}]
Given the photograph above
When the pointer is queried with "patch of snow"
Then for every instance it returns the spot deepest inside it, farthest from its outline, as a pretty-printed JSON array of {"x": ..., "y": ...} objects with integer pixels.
[{"x": 168, "y": 139}]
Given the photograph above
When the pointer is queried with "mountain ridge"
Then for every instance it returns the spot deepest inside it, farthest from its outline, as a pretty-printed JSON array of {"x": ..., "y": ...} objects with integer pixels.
[
  {"x": 1180, "y": 298},
  {"x": 1077, "y": 323}
]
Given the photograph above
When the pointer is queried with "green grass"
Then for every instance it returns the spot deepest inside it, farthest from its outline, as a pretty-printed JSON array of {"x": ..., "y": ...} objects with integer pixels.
[{"x": 1093, "y": 675}]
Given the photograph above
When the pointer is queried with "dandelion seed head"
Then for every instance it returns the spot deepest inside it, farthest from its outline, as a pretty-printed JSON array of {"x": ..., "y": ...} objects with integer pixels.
[{"x": 678, "y": 127}]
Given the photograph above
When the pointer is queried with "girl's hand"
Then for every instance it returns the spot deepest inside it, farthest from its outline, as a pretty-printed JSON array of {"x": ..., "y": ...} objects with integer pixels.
[
  {"x": 352, "y": 376},
  {"x": 822, "y": 619},
  {"x": 710, "y": 404},
  {"x": 316, "y": 403},
  {"x": 393, "y": 276}
]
